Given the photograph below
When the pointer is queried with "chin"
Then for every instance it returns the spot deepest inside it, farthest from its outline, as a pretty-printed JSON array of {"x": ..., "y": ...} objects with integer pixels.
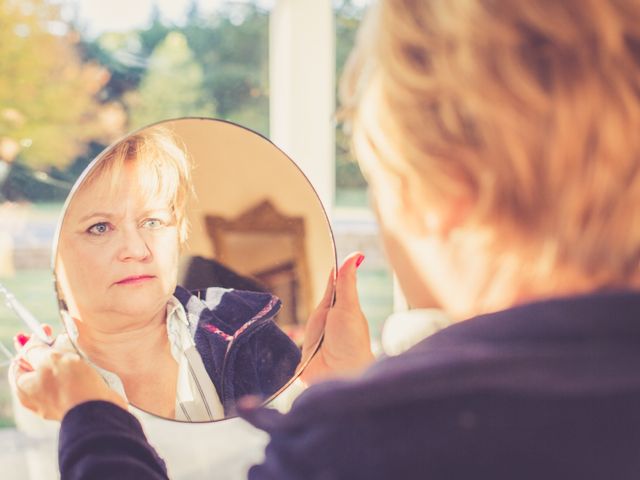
[{"x": 143, "y": 305}]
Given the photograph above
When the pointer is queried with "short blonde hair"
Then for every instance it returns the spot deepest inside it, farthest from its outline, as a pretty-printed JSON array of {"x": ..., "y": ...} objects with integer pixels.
[
  {"x": 530, "y": 108},
  {"x": 167, "y": 167}
]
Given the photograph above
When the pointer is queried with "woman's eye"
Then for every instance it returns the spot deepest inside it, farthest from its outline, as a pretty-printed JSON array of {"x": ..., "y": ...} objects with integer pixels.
[
  {"x": 152, "y": 223},
  {"x": 99, "y": 228}
]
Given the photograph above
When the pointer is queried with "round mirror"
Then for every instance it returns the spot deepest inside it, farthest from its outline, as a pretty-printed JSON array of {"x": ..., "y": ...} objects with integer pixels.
[{"x": 187, "y": 261}]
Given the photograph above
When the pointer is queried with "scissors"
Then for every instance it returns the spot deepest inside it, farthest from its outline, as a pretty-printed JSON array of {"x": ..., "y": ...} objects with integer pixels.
[
  {"x": 5, "y": 351},
  {"x": 26, "y": 316}
]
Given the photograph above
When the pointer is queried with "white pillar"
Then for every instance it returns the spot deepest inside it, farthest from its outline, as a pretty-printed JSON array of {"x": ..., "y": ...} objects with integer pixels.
[{"x": 302, "y": 89}]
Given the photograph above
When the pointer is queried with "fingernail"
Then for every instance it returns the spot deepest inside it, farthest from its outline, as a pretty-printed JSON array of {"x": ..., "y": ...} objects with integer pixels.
[
  {"x": 22, "y": 339},
  {"x": 359, "y": 261},
  {"x": 24, "y": 365},
  {"x": 47, "y": 329}
]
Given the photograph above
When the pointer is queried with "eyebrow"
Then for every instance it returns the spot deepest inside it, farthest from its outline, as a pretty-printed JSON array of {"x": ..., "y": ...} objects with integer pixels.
[
  {"x": 96, "y": 214},
  {"x": 167, "y": 210},
  {"x": 110, "y": 216}
]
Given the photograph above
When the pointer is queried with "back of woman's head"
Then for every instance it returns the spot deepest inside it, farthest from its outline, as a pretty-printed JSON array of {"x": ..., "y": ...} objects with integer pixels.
[{"x": 528, "y": 108}]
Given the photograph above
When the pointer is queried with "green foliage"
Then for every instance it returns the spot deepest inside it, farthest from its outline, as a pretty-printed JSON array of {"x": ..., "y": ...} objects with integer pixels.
[
  {"x": 48, "y": 106},
  {"x": 123, "y": 56},
  {"x": 347, "y": 20},
  {"x": 171, "y": 87},
  {"x": 156, "y": 33},
  {"x": 232, "y": 47},
  {"x": 57, "y": 90}
]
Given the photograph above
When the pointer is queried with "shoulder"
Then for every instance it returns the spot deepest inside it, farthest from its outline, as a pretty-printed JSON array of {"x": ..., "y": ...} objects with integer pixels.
[
  {"x": 401, "y": 420},
  {"x": 230, "y": 307},
  {"x": 345, "y": 429}
]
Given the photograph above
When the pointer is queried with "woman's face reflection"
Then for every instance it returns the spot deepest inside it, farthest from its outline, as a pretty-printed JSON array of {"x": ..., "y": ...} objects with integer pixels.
[{"x": 118, "y": 252}]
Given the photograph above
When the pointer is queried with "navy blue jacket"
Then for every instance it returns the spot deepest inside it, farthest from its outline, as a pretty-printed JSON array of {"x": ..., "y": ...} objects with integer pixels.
[
  {"x": 243, "y": 350},
  {"x": 548, "y": 390}
]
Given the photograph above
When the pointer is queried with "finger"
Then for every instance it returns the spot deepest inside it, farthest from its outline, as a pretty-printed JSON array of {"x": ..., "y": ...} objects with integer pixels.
[
  {"x": 24, "y": 365},
  {"x": 62, "y": 344},
  {"x": 38, "y": 354},
  {"x": 20, "y": 340},
  {"x": 26, "y": 387},
  {"x": 319, "y": 315},
  {"x": 317, "y": 320},
  {"x": 346, "y": 288},
  {"x": 327, "y": 296},
  {"x": 15, "y": 371},
  {"x": 32, "y": 340}
]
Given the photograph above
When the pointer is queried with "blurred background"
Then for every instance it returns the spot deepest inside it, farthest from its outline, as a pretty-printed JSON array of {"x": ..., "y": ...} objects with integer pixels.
[{"x": 75, "y": 75}]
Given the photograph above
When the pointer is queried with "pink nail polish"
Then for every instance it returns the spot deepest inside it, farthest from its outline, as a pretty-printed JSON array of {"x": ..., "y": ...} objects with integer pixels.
[{"x": 359, "y": 261}]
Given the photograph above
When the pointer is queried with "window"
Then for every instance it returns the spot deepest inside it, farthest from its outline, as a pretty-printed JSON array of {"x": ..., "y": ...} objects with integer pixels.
[{"x": 74, "y": 77}]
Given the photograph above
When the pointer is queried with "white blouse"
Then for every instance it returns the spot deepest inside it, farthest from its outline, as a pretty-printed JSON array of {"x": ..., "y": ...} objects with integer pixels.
[{"x": 197, "y": 399}]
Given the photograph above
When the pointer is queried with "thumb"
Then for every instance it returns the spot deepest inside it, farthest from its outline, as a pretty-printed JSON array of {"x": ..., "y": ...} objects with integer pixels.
[
  {"x": 346, "y": 288},
  {"x": 327, "y": 296},
  {"x": 317, "y": 319},
  {"x": 24, "y": 383},
  {"x": 39, "y": 355}
]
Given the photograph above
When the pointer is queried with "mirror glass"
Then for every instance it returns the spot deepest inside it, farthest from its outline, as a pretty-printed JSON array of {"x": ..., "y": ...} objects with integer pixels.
[{"x": 187, "y": 261}]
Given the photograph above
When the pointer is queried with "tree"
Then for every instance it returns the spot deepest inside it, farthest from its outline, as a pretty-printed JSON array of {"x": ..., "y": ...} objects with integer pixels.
[
  {"x": 348, "y": 17},
  {"x": 232, "y": 47},
  {"x": 155, "y": 33},
  {"x": 48, "y": 102},
  {"x": 171, "y": 86},
  {"x": 122, "y": 54}
]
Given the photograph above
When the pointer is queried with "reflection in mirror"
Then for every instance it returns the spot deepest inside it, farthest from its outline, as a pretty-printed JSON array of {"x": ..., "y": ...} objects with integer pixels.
[
  {"x": 189, "y": 256},
  {"x": 268, "y": 246}
]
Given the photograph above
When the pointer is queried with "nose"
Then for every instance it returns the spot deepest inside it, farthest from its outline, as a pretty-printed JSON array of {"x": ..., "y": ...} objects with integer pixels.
[{"x": 133, "y": 246}]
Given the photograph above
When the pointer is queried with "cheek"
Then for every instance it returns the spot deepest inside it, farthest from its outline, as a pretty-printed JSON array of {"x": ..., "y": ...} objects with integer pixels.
[
  {"x": 166, "y": 252},
  {"x": 82, "y": 274},
  {"x": 406, "y": 259},
  {"x": 84, "y": 263},
  {"x": 403, "y": 247},
  {"x": 167, "y": 246},
  {"x": 387, "y": 206}
]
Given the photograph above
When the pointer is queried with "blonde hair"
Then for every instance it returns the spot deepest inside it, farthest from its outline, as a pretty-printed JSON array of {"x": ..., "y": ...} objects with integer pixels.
[
  {"x": 529, "y": 108},
  {"x": 166, "y": 166}
]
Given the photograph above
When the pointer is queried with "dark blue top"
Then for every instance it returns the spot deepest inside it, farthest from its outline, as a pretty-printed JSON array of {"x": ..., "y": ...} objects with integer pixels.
[
  {"x": 548, "y": 390},
  {"x": 244, "y": 352}
]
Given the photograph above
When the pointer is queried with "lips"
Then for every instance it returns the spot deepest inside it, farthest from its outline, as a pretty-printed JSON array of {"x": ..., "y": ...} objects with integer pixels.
[{"x": 135, "y": 279}]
